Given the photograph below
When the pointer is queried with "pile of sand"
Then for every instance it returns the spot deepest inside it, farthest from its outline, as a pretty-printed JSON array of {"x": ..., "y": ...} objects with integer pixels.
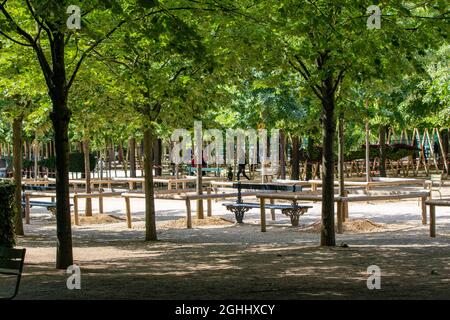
[
  {"x": 98, "y": 219},
  {"x": 208, "y": 221},
  {"x": 352, "y": 226}
]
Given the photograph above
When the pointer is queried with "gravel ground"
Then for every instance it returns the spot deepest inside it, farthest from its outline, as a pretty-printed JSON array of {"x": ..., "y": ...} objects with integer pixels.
[{"x": 238, "y": 261}]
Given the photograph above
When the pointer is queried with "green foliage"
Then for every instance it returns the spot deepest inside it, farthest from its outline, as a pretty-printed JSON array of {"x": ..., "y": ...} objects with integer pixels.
[
  {"x": 49, "y": 163},
  {"x": 76, "y": 162},
  {"x": 393, "y": 152},
  {"x": 7, "y": 214}
]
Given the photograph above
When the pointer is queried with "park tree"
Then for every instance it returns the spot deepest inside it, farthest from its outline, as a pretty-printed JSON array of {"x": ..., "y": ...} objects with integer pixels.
[
  {"x": 61, "y": 49},
  {"x": 22, "y": 93},
  {"x": 328, "y": 44},
  {"x": 171, "y": 76}
]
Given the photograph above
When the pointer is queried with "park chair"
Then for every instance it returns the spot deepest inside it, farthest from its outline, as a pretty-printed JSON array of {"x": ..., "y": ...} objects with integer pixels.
[
  {"x": 436, "y": 183},
  {"x": 11, "y": 264}
]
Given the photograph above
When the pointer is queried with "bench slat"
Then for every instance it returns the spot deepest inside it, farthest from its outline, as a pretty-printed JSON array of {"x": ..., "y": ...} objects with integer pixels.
[
  {"x": 11, "y": 253},
  {"x": 10, "y": 272},
  {"x": 267, "y": 206},
  {"x": 438, "y": 203},
  {"x": 98, "y": 195},
  {"x": 272, "y": 187},
  {"x": 10, "y": 264},
  {"x": 41, "y": 204}
]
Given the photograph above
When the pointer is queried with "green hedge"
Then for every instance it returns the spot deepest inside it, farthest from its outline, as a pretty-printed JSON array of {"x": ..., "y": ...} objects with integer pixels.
[
  {"x": 76, "y": 162},
  {"x": 7, "y": 235}
]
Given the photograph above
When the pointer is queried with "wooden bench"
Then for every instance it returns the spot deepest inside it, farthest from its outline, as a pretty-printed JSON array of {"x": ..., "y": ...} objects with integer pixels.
[
  {"x": 27, "y": 204},
  {"x": 11, "y": 264},
  {"x": 342, "y": 201},
  {"x": 433, "y": 204},
  {"x": 209, "y": 197},
  {"x": 193, "y": 170},
  {"x": 239, "y": 208}
]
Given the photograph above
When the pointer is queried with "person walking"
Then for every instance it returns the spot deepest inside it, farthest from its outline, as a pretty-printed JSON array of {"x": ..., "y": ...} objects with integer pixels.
[{"x": 241, "y": 169}]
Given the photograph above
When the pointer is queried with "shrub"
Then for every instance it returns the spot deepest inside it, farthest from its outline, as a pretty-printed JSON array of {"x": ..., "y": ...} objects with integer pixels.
[
  {"x": 76, "y": 162},
  {"x": 7, "y": 213}
]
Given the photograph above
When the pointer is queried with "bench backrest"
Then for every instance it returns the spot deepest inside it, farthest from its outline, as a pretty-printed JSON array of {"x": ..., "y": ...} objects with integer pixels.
[
  {"x": 436, "y": 178},
  {"x": 11, "y": 263},
  {"x": 38, "y": 188},
  {"x": 11, "y": 260},
  {"x": 269, "y": 187}
]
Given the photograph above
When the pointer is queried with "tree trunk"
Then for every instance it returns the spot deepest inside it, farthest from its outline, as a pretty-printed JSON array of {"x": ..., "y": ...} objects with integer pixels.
[
  {"x": 327, "y": 236},
  {"x": 200, "y": 213},
  {"x": 382, "y": 138},
  {"x": 150, "y": 219},
  {"x": 87, "y": 174},
  {"x": 341, "y": 159},
  {"x": 282, "y": 155},
  {"x": 36, "y": 160},
  {"x": 125, "y": 161},
  {"x": 158, "y": 157},
  {"x": 112, "y": 158},
  {"x": 309, "y": 159},
  {"x": 17, "y": 165},
  {"x": 445, "y": 144},
  {"x": 60, "y": 118},
  {"x": 132, "y": 156},
  {"x": 120, "y": 153},
  {"x": 367, "y": 147},
  {"x": 295, "y": 174}
]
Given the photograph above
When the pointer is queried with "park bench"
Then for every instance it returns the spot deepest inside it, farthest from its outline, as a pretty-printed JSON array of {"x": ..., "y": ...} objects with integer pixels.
[
  {"x": 433, "y": 204},
  {"x": 193, "y": 170},
  {"x": 50, "y": 205},
  {"x": 11, "y": 264},
  {"x": 342, "y": 208},
  {"x": 239, "y": 208},
  {"x": 435, "y": 184}
]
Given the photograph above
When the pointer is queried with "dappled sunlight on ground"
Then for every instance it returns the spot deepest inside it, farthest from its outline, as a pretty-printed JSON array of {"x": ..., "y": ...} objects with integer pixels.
[{"x": 238, "y": 261}]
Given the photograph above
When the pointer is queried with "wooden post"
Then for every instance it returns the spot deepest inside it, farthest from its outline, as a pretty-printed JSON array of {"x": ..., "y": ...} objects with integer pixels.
[
  {"x": 443, "y": 151},
  {"x": 209, "y": 203},
  {"x": 432, "y": 221},
  {"x": 262, "y": 205},
  {"x": 27, "y": 209},
  {"x": 100, "y": 201},
  {"x": 272, "y": 211},
  {"x": 75, "y": 209},
  {"x": 424, "y": 210},
  {"x": 188, "y": 214},
  {"x": 128, "y": 211}
]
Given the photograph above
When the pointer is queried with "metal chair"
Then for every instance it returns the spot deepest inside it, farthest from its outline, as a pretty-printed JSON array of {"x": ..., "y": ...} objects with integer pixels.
[
  {"x": 11, "y": 264},
  {"x": 436, "y": 183}
]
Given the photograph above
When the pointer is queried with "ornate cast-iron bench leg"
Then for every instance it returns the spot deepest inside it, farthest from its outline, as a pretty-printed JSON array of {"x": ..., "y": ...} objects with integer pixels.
[
  {"x": 294, "y": 213},
  {"x": 238, "y": 212}
]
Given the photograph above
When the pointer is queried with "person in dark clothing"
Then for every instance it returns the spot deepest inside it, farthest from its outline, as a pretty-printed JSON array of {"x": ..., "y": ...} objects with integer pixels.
[
  {"x": 241, "y": 169},
  {"x": 230, "y": 174}
]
